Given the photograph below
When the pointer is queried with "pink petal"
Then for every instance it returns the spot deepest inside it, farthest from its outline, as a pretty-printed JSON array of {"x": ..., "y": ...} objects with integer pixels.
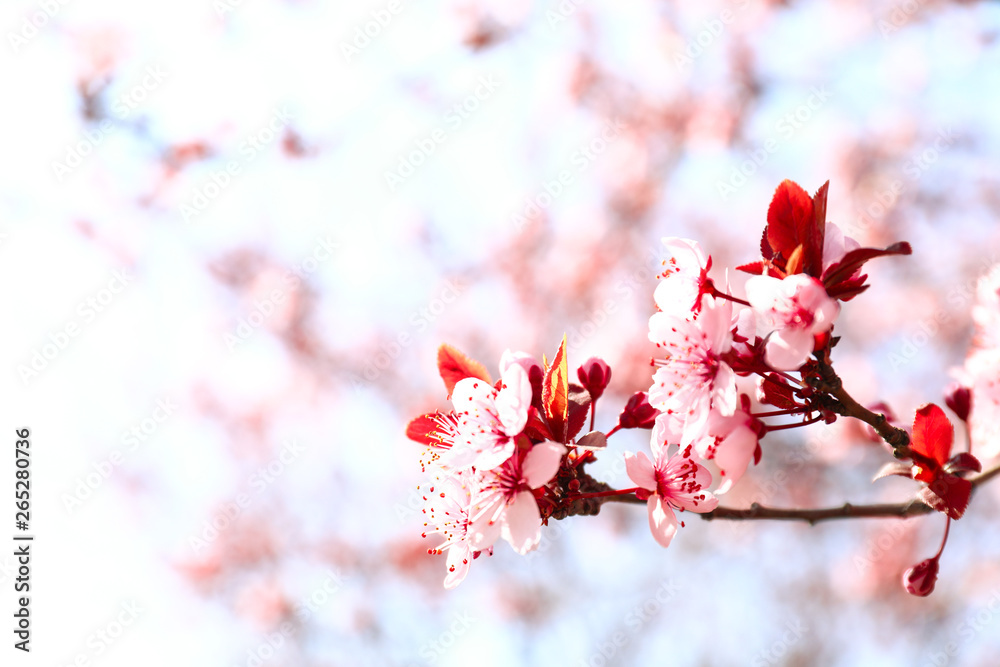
[
  {"x": 725, "y": 397},
  {"x": 522, "y": 524},
  {"x": 640, "y": 470},
  {"x": 734, "y": 454},
  {"x": 788, "y": 349},
  {"x": 662, "y": 522},
  {"x": 542, "y": 463}
]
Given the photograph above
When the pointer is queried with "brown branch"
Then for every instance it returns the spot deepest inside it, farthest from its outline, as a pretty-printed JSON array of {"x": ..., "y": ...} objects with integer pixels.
[
  {"x": 845, "y": 405},
  {"x": 905, "y": 510}
]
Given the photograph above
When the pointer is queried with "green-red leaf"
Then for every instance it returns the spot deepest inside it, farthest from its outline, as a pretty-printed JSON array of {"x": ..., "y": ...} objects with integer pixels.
[
  {"x": 555, "y": 394},
  {"x": 453, "y": 366}
]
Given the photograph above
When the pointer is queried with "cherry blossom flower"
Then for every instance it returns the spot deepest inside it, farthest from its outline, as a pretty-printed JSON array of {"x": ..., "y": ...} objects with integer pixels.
[
  {"x": 672, "y": 482},
  {"x": 447, "y": 514},
  {"x": 800, "y": 308},
  {"x": 684, "y": 280},
  {"x": 505, "y": 507},
  {"x": 487, "y": 421},
  {"x": 836, "y": 245},
  {"x": 693, "y": 379},
  {"x": 731, "y": 443}
]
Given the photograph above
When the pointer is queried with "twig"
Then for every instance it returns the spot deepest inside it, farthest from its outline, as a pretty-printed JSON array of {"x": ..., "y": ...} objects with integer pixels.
[{"x": 913, "y": 507}]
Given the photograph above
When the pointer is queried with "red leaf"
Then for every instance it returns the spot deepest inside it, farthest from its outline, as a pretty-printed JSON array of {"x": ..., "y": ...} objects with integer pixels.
[
  {"x": 892, "y": 468},
  {"x": 424, "y": 429},
  {"x": 789, "y": 218},
  {"x": 760, "y": 268},
  {"x": 453, "y": 366},
  {"x": 765, "y": 247},
  {"x": 536, "y": 428},
  {"x": 847, "y": 290},
  {"x": 775, "y": 391},
  {"x": 933, "y": 434},
  {"x": 555, "y": 394},
  {"x": 948, "y": 494},
  {"x": 579, "y": 409},
  {"x": 593, "y": 440},
  {"x": 817, "y": 233},
  {"x": 853, "y": 260},
  {"x": 963, "y": 462}
]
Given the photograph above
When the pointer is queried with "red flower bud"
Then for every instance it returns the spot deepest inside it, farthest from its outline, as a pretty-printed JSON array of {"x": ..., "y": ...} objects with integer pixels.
[
  {"x": 638, "y": 413},
  {"x": 959, "y": 399},
  {"x": 594, "y": 375},
  {"x": 919, "y": 580}
]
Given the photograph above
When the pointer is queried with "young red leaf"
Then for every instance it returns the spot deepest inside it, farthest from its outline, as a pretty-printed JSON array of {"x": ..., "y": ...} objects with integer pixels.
[
  {"x": 579, "y": 409},
  {"x": 789, "y": 218},
  {"x": 963, "y": 462},
  {"x": 948, "y": 494},
  {"x": 892, "y": 468},
  {"x": 555, "y": 394},
  {"x": 816, "y": 235},
  {"x": 933, "y": 434},
  {"x": 772, "y": 390},
  {"x": 766, "y": 251},
  {"x": 853, "y": 260},
  {"x": 424, "y": 429},
  {"x": 593, "y": 440},
  {"x": 453, "y": 366},
  {"x": 536, "y": 428}
]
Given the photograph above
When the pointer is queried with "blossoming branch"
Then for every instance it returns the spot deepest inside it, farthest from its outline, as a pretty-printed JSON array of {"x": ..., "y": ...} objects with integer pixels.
[{"x": 512, "y": 454}]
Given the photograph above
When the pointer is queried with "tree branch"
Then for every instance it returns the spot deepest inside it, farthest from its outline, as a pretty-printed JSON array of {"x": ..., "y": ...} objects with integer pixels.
[
  {"x": 846, "y": 406},
  {"x": 904, "y": 510}
]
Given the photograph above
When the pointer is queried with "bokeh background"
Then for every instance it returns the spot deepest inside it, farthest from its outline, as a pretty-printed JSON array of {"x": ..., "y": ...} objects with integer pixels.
[{"x": 234, "y": 232}]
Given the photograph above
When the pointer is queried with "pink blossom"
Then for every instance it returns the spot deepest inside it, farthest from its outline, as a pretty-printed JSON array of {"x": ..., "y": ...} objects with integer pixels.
[
  {"x": 683, "y": 281},
  {"x": 799, "y": 307},
  {"x": 487, "y": 421},
  {"x": 836, "y": 245},
  {"x": 730, "y": 442},
  {"x": 982, "y": 374},
  {"x": 693, "y": 379},
  {"x": 505, "y": 507},
  {"x": 447, "y": 514},
  {"x": 673, "y": 482}
]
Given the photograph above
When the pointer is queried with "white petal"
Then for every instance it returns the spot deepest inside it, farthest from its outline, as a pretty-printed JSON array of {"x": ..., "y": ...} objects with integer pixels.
[
  {"x": 522, "y": 524},
  {"x": 459, "y": 558},
  {"x": 542, "y": 463},
  {"x": 513, "y": 400}
]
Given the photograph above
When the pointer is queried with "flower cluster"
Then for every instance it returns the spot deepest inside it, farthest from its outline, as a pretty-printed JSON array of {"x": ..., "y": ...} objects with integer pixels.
[
  {"x": 496, "y": 456},
  {"x": 731, "y": 366}
]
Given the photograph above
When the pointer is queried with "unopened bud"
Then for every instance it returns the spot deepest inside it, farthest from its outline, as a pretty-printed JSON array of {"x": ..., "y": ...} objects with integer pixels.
[
  {"x": 594, "y": 375},
  {"x": 919, "y": 580},
  {"x": 959, "y": 398},
  {"x": 638, "y": 413}
]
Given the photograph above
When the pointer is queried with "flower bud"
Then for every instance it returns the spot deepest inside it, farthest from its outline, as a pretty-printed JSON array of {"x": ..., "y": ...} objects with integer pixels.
[
  {"x": 638, "y": 413},
  {"x": 594, "y": 375},
  {"x": 959, "y": 399},
  {"x": 919, "y": 580}
]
